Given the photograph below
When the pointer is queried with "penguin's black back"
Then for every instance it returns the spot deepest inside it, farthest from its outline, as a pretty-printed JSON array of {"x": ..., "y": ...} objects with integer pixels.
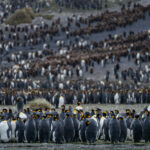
[
  {"x": 137, "y": 130},
  {"x": 44, "y": 130},
  {"x": 146, "y": 129},
  {"x": 114, "y": 128},
  {"x": 31, "y": 131},
  {"x": 69, "y": 131}
]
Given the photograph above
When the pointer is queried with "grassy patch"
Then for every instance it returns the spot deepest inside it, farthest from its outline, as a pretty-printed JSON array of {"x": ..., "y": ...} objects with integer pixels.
[
  {"x": 39, "y": 103},
  {"x": 25, "y": 15},
  {"x": 45, "y": 16},
  {"x": 110, "y": 3}
]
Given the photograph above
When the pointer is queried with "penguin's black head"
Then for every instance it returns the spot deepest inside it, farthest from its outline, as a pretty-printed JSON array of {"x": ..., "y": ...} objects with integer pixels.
[
  {"x": 48, "y": 115},
  {"x": 79, "y": 103},
  {"x": 104, "y": 114},
  {"x": 87, "y": 115},
  {"x": 133, "y": 111},
  {"x": 75, "y": 115},
  {"x": 18, "y": 118},
  {"x": 111, "y": 112},
  {"x": 92, "y": 110},
  {"x": 67, "y": 111},
  {"x": 53, "y": 109},
  {"x": 63, "y": 107},
  {"x": 137, "y": 116},
  {"x": 47, "y": 109},
  {"x": 120, "y": 118},
  {"x": 88, "y": 123},
  {"x": 24, "y": 110},
  {"x": 67, "y": 115},
  {"x": 113, "y": 115},
  {"x": 10, "y": 110},
  {"x": 43, "y": 117},
  {"x": 4, "y": 110},
  {"x": 55, "y": 117},
  {"x": 98, "y": 115},
  {"x": 116, "y": 111},
  {"x": 28, "y": 110},
  {"x": 127, "y": 111}
]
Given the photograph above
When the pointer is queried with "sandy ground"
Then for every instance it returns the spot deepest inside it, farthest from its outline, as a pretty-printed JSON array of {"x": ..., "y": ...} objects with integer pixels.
[
  {"x": 89, "y": 107},
  {"x": 100, "y": 145}
]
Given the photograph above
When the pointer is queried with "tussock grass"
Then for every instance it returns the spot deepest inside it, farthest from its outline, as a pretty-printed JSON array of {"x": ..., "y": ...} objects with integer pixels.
[
  {"x": 25, "y": 15},
  {"x": 39, "y": 103}
]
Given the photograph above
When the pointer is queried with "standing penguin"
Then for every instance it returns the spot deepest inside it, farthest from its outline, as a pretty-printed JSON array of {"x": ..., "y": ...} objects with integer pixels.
[
  {"x": 44, "y": 130},
  {"x": 91, "y": 130},
  {"x": 76, "y": 127},
  {"x": 123, "y": 129},
  {"x": 20, "y": 104},
  {"x": 13, "y": 127},
  {"x": 114, "y": 129},
  {"x": 20, "y": 128},
  {"x": 69, "y": 131},
  {"x": 137, "y": 129},
  {"x": 57, "y": 130},
  {"x": 5, "y": 129},
  {"x": 30, "y": 130},
  {"x": 82, "y": 129},
  {"x": 146, "y": 128},
  {"x": 61, "y": 101}
]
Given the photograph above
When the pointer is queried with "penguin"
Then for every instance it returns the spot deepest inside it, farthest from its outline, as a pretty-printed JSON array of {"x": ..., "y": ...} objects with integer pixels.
[
  {"x": 61, "y": 101},
  {"x": 76, "y": 123},
  {"x": 5, "y": 130},
  {"x": 123, "y": 129},
  {"x": 146, "y": 128},
  {"x": 62, "y": 114},
  {"x": 69, "y": 131},
  {"x": 36, "y": 117},
  {"x": 114, "y": 129},
  {"x": 102, "y": 120},
  {"x": 57, "y": 130},
  {"x": 44, "y": 130},
  {"x": 20, "y": 104},
  {"x": 82, "y": 129},
  {"x": 106, "y": 129},
  {"x": 13, "y": 128},
  {"x": 19, "y": 131},
  {"x": 91, "y": 130},
  {"x": 30, "y": 130},
  {"x": 137, "y": 129}
]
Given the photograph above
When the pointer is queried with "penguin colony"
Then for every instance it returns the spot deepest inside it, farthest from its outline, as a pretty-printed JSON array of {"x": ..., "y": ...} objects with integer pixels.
[{"x": 70, "y": 125}]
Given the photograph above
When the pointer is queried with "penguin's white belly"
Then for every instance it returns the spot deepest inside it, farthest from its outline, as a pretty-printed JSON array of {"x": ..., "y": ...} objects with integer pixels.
[
  {"x": 61, "y": 101},
  {"x": 13, "y": 125},
  {"x": 3, "y": 131},
  {"x": 54, "y": 137},
  {"x": 129, "y": 134}
]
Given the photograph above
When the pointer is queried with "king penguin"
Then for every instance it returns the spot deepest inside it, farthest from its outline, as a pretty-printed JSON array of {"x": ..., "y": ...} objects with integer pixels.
[
  {"x": 30, "y": 130},
  {"x": 19, "y": 131},
  {"x": 114, "y": 129},
  {"x": 20, "y": 104},
  {"x": 57, "y": 130},
  {"x": 91, "y": 130},
  {"x": 5, "y": 130},
  {"x": 44, "y": 130},
  {"x": 69, "y": 131},
  {"x": 146, "y": 128},
  {"x": 137, "y": 129}
]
